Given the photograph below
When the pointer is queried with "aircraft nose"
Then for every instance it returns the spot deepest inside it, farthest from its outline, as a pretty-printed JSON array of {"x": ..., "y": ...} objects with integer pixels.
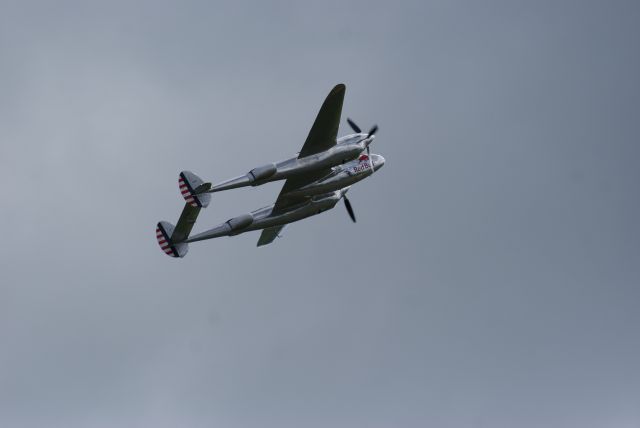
[{"x": 378, "y": 162}]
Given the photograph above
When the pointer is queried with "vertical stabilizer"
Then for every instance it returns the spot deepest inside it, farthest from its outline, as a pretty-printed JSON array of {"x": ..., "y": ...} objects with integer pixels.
[
  {"x": 193, "y": 189},
  {"x": 164, "y": 232}
]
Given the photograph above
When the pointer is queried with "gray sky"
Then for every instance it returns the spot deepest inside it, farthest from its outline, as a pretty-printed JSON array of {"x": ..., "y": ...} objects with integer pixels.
[{"x": 492, "y": 277}]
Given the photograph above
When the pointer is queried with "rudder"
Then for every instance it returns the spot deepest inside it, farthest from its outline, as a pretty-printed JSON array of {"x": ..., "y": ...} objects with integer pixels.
[
  {"x": 193, "y": 189},
  {"x": 164, "y": 232}
]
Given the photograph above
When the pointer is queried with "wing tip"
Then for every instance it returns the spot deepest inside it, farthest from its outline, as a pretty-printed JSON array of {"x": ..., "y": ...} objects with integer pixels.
[{"x": 340, "y": 87}]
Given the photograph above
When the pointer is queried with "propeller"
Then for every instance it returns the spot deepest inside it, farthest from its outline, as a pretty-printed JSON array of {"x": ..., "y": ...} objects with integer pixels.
[
  {"x": 353, "y": 126},
  {"x": 372, "y": 132},
  {"x": 347, "y": 204},
  {"x": 357, "y": 129}
]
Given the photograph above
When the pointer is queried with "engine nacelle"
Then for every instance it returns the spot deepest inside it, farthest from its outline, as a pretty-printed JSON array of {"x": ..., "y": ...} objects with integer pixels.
[
  {"x": 240, "y": 222},
  {"x": 262, "y": 172}
]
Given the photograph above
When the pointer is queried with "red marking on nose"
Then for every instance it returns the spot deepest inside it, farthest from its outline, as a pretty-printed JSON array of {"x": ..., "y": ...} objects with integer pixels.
[{"x": 363, "y": 158}]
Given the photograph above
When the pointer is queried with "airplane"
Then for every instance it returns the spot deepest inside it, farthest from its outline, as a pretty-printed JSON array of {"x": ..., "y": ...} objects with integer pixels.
[
  {"x": 303, "y": 196},
  {"x": 322, "y": 149},
  {"x": 316, "y": 180}
]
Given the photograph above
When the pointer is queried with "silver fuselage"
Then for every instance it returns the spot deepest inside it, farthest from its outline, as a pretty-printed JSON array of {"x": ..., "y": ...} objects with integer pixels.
[
  {"x": 341, "y": 176},
  {"x": 347, "y": 148},
  {"x": 325, "y": 194}
]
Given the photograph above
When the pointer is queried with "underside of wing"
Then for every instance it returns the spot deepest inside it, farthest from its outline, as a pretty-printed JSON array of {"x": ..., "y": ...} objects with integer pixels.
[
  {"x": 269, "y": 234},
  {"x": 285, "y": 201},
  {"x": 325, "y": 128}
]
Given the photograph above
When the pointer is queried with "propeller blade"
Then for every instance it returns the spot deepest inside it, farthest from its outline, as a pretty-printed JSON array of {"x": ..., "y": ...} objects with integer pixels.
[
  {"x": 353, "y": 126},
  {"x": 373, "y": 130},
  {"x": 347, "y": 204}
]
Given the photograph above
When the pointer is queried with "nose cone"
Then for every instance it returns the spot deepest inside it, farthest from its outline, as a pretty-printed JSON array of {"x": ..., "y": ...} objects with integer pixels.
[{"x": 378, "y": 161}]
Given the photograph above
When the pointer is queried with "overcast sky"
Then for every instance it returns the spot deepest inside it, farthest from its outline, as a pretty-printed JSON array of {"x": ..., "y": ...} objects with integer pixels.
[{"x": 492, "y": 279}]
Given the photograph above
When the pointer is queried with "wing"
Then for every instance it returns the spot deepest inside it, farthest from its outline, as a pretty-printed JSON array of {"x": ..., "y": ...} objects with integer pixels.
[
  {"x": 283, "y": 202},
  {"x": 325, "y": 129},
  {"x": 269, "y": 234}
]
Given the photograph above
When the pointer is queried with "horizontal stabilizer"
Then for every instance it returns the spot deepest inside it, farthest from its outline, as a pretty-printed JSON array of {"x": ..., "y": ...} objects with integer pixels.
[
  {"x": 193, "y": 189},
  {"x": 269, "y": 234}
]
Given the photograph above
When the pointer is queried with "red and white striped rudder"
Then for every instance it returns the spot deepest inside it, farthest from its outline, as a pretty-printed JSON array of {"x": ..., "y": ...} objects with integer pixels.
[
  {"x": 193, "y": 189},
  {"x": 164, "y": 231}
]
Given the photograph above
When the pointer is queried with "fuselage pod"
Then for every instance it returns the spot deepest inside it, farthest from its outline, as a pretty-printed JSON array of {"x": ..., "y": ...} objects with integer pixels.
[
  {"x": 342, "y": 176},
  {"x": 240, "y": 223},
  {"x": 266, "y": 217},
  {"x": 262, "y": 172},
  {"x": 347, "y": 149}
]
